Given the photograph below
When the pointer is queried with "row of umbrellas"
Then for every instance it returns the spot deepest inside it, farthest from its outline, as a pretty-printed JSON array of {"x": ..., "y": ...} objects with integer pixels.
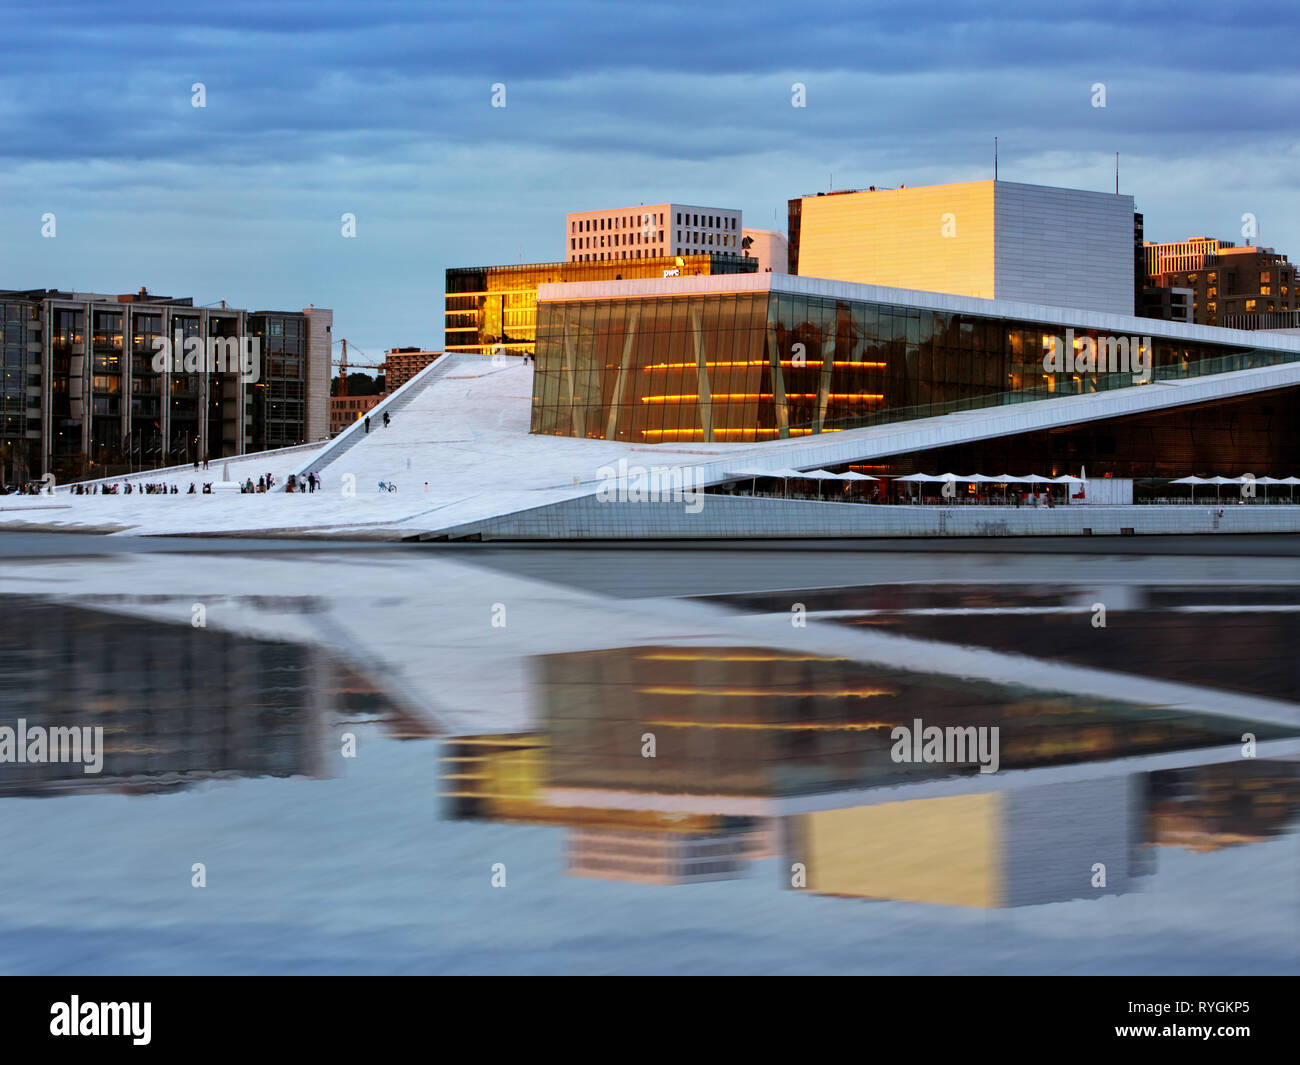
[
  {"x": 979, "y": 478},
  {"x": 809, "y": 475},
  {"x": 1244, "y": 479}
]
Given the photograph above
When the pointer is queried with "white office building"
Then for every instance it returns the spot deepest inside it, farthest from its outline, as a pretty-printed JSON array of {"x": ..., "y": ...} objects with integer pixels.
[{"x": 649, "y": 231}]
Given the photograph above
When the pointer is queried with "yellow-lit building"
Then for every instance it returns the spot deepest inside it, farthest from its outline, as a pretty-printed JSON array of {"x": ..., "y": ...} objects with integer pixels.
[
  {"x": 494, "y": 308},
  {"x": 987, "y": 239}
]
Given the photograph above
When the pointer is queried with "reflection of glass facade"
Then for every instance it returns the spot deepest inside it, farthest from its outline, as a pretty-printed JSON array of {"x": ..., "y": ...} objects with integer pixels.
[
  {"x": 760, "y": 365},
  {"x": 491, "y": 305},
  {"x": 754, "y": 721}
]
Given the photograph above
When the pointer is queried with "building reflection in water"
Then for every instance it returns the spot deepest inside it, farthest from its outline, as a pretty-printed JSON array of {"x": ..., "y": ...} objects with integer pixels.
[
  {"x": 760, "y": 753},
  {"x": 177, "y": 704}
]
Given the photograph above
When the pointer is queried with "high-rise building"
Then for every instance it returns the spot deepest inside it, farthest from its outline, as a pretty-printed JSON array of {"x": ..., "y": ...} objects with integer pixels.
[
  {"x": 1226, "y": 281},
  {"x": 83, "y": 389},
  {"x": 989, "y": 239},
  {"x": 650, "y": 231}
]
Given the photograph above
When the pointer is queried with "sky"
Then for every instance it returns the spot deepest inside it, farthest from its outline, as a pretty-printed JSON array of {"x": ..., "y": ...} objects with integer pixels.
[{"x": 384, "y": 111}]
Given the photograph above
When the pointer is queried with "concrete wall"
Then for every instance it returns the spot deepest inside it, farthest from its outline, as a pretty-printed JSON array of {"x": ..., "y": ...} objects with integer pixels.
[
  {"x": 1064, "y": 247},
  {"x": 319, "y": 369},
  {"x": 739, "y": 517}
]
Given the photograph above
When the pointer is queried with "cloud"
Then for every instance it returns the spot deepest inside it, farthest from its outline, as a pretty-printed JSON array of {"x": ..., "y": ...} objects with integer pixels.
[{"x": 386, "y": 111}]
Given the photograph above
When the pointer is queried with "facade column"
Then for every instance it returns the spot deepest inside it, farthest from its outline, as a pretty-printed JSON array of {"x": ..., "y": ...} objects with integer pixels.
[
  {"x": 87, "y": 369},
  {"x": 205, "y": 386},
  {"x": 778, "y": 374},
  {"x": 165, "y": 398},
  {"x": 611, "y": 424},
  {"x": 578, "y": 415},
  {"x": 702, "y": 375},
  {"x": 47, "y": 388},
  {"x": 824, "y": 382},
  {"x": 127, "y": 371}
]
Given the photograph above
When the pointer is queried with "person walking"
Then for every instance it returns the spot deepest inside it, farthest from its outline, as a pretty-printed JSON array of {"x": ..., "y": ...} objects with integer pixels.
[
  {"x": 385, "y": 419},
  {"x": 367, "y": 423}
]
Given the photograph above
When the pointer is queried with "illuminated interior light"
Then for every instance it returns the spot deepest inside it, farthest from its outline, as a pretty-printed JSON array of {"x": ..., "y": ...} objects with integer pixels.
[{"x": 752, "y": 693}]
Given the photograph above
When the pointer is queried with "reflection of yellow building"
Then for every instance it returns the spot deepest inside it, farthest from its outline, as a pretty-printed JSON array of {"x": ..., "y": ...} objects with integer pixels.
[
  {"x": 1006, "y": 848},
  {"x": 503, "y": 778},
  {"x": 932, "y": 850}
]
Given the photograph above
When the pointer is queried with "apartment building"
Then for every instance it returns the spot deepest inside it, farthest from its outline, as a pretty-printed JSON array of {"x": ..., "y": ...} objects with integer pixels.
[
  {"x": 1227, "y": 282},
  {"x": 83, "y": 392}
]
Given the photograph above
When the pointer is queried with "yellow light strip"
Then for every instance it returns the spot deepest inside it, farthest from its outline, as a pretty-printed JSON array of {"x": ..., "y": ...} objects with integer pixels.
[
  {"x": 756, "y": 362},
  {"x": 750, "y": 693},
  {"x": 716, "y": 395}
]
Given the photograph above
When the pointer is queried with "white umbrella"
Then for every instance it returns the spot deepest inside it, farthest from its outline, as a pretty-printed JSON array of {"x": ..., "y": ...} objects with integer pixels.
[
  {"x": 754, "y": 474},
  {"x": 852, "y": 475},
  {"x": 1218, "y": 482},
  {"x": 1193, "y": 481},
  {"x": 1035, "y": 478},
  {"x": 920, "y": 478}
]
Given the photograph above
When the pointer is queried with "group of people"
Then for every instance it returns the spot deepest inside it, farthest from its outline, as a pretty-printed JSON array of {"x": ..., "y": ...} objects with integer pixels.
[
  {"x": 126, "y": 488},
  {"x": 304, "y": 484},
  {"x": 264, "y": 484},
  {"x": 295, "y": 483},
  {"x": 386, "y": 421}
]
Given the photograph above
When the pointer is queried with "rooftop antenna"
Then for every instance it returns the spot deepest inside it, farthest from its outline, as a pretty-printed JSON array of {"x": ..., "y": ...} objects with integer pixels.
[
  {"x": 1117, "y": 173},
  {"x": 995, "y": 158}
]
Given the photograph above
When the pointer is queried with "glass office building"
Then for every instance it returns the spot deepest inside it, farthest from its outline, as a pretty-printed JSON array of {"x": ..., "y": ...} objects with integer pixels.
[
  {"x": 494, "y": 308},
  {"x": 771, "y": 357}
]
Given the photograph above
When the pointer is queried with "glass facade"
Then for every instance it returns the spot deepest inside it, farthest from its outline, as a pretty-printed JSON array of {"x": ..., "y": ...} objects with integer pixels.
[
  {"x": 754, "y": 366},
  {"x": 279, "y": 413},
  {"x": 106, "y": 414},
  {"x": 489, "y": 306},
  {"x": 20, "y": 382}
]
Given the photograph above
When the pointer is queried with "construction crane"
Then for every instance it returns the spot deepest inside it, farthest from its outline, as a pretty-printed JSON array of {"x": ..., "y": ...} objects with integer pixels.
[{"x": 342, "y": 363}]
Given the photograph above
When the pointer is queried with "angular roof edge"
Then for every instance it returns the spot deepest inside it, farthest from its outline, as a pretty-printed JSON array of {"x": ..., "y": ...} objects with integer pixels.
[{"x": 799, "y": 285}]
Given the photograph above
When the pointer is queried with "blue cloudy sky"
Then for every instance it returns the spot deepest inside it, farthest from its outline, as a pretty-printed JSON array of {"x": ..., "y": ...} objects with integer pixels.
[{"x": 384, "y": 110}]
